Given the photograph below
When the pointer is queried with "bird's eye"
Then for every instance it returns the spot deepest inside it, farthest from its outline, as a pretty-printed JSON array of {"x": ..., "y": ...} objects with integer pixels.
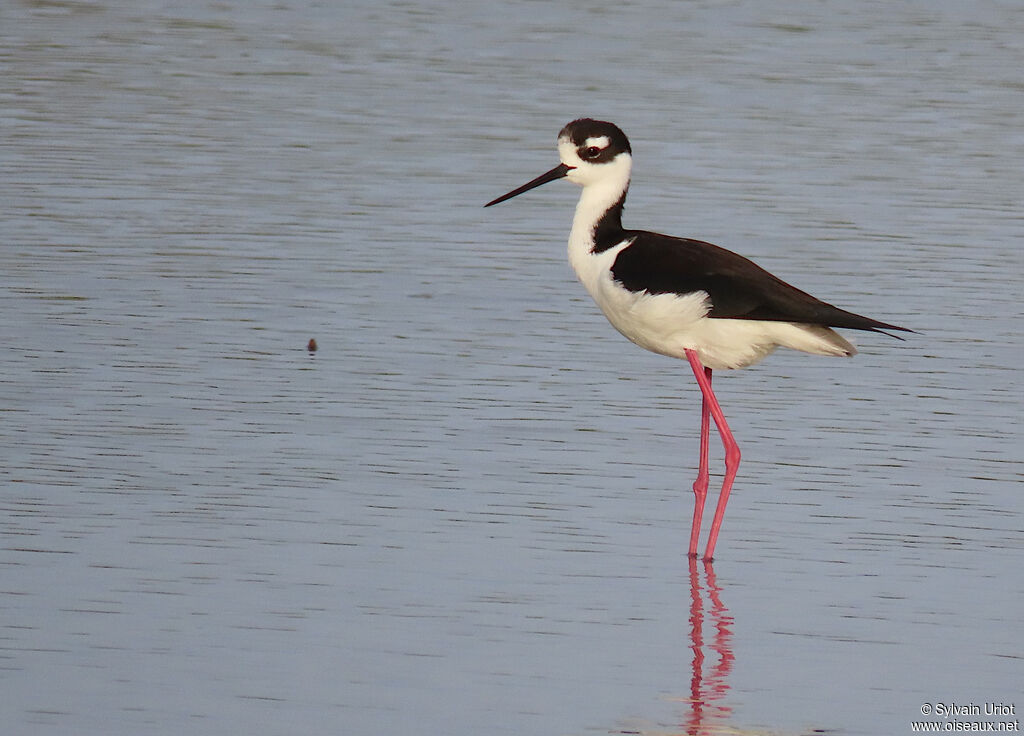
[{"x": 591, "y": 152}]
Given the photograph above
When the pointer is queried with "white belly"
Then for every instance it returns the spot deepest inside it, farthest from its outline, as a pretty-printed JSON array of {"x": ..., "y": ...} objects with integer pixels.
[{"x": 670, "y": 324}]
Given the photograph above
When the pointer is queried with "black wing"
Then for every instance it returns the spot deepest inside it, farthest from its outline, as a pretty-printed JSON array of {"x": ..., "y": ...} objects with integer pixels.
[{"x": 738, "y": 288}]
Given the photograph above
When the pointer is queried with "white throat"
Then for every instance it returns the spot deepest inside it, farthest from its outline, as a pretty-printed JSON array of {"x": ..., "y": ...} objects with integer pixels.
[{"x": 603, "y": 186}]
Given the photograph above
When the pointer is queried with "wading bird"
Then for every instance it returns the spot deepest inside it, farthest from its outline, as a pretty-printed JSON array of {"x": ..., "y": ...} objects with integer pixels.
[{"x": 680, "y": 297}]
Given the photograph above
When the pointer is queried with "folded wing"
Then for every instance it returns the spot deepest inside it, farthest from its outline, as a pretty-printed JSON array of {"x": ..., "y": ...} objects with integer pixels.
[{"x": 737, "y": 287}]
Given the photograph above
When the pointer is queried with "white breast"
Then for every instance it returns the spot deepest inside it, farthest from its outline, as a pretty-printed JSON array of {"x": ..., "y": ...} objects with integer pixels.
[{"x": 662, "y": 323}]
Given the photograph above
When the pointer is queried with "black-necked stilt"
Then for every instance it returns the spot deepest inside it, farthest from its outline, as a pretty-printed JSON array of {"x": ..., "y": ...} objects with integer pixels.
[{"x": 680, "y": 297}]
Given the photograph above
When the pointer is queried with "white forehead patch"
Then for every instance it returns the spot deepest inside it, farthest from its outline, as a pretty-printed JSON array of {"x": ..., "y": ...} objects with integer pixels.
[{"x": 597, "y": 141}]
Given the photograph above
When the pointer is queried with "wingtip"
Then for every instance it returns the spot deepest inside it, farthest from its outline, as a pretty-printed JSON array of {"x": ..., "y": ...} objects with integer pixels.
[{"x": 885, "y": 330}]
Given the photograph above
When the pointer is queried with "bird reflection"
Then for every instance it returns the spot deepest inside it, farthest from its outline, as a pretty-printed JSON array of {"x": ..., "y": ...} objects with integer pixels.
[{"x": 712, "y": 652}]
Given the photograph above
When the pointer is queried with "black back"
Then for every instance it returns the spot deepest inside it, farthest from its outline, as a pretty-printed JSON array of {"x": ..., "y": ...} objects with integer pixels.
[{"x": 737, "y": 287}]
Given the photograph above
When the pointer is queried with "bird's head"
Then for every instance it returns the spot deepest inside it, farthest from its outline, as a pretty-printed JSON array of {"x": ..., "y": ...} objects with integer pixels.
[{"x": 592, "y": 152}]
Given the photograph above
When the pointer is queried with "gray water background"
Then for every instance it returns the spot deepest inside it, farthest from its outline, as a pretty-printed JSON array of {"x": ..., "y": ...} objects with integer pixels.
[{"x": 467, "y": 512}]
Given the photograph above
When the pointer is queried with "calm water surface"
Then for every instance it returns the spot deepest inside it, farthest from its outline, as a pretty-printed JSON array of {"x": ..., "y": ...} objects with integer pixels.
[{"x": 467, "y": 512}]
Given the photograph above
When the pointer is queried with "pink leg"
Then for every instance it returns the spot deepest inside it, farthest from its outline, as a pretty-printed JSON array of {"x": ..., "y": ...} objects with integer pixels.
[
  {"x": 732, "y": 450},
  {"x": 700, "y": 486}
]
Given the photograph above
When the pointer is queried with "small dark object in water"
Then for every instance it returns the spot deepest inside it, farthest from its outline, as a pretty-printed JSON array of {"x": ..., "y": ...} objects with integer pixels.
[{"x": 311, "y": 345}]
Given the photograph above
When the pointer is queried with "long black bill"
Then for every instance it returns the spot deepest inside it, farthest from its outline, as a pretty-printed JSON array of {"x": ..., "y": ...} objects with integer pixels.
[{"x": 556, "y": 173}]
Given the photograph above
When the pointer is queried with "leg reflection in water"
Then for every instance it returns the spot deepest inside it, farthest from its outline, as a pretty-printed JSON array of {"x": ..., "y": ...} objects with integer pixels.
[{"x": 712, "y": 659}]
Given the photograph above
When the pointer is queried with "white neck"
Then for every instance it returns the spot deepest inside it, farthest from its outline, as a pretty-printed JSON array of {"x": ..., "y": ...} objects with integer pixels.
[{"x": 599, "y": 195}]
